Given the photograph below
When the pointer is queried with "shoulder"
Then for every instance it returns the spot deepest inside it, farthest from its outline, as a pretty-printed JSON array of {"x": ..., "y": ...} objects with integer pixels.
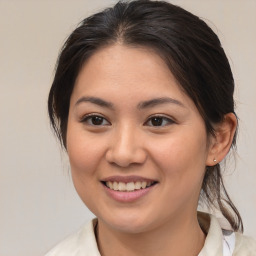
[
  {"x": 221, "y": 241},
  {"x": 66, "y": 247},
  {"x": 244, "y": 246},
  {"x": 81, "y": 243}
]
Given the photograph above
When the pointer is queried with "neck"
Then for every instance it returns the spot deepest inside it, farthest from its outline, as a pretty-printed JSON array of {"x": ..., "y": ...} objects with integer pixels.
[{"x": 178, "y": 237}]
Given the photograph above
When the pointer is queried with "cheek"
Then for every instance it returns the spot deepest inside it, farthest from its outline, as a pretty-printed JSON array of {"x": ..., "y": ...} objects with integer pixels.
[
  {"x": 182, "y": 158},
  {"x": 84, "y": 156},
  {"x": 182, "y": 165},
  {"x": 84, "y": 152},
  {"x": 182, "y": 148}
]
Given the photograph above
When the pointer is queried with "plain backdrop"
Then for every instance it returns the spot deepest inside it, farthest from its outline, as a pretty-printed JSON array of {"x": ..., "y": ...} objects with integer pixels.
[{"x": 38, "y": 204}]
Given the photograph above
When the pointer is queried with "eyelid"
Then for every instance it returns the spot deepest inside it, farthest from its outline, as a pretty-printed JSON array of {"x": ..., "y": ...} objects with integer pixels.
[
  {"x": 86, "y": 117},
  {"x": 167, "y": 118}
]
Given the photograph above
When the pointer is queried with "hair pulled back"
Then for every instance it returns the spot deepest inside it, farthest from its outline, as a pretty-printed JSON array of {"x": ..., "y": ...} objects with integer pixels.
[{"x": 189, "y": 47}]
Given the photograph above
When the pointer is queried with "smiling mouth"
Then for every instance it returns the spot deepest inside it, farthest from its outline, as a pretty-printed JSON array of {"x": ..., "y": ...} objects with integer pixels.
[{"x": 129, "y": 186}]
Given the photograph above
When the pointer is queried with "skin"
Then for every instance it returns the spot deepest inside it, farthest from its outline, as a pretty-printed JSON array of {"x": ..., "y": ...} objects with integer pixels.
[{"x": 127, "y": 142}]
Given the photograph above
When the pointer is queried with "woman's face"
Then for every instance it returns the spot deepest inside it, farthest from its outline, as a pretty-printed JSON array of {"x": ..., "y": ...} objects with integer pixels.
[{"x": 131, "y": 126}]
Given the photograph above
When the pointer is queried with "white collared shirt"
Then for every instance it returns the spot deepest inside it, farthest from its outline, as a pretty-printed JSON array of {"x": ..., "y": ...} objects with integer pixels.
[{"x": 218, "y": 242}]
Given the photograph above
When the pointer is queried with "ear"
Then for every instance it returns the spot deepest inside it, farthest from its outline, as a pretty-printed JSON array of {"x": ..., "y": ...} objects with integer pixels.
[{"x": 221, "y": 143}]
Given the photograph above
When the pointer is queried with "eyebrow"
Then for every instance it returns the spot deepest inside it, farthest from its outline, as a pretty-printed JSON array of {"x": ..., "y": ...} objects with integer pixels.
[
  {"x": 141, "y": 105},
  {"x": 158, "y": 101},
  {"x": 95, "y": 100}
]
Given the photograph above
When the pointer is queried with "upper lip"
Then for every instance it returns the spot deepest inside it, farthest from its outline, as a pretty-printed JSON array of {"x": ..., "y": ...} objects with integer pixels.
[{"x": 126, "y": 179}]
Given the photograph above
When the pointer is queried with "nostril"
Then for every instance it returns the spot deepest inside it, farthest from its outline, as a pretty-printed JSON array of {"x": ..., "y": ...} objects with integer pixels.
[{"x": 125, "y": 158}]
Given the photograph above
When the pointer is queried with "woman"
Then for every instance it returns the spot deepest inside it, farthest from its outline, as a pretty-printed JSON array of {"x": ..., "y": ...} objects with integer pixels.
[{"x": 142, "y": 100}]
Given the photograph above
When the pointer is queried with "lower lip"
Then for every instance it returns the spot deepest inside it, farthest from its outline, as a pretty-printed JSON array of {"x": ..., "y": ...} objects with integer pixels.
[{"x": 127, "y": 196}]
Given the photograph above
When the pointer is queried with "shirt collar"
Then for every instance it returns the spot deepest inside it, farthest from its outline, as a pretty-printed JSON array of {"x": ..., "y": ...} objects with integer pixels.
[{"x": 213, "y": 245}]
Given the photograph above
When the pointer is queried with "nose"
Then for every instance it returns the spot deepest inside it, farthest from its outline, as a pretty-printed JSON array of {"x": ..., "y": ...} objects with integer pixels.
[{"x": 126, "y": 148}]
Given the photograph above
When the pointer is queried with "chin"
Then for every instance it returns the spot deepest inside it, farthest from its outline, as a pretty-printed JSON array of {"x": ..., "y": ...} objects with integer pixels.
[{"x": 127, "y": 223}]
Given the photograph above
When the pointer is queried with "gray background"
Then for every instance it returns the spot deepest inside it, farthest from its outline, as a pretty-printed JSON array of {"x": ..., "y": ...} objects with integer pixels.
[{"x": 38, "y": 204}]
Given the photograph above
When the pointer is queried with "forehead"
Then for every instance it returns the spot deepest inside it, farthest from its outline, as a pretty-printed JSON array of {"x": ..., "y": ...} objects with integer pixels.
[
  {"x": 121, "y": 61},
  {"x": 133, "y": 72}
]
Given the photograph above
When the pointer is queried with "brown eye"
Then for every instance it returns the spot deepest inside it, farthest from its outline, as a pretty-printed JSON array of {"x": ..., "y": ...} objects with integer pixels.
[
  {"x": 95, "y": 120},
  {"x": 159, "y": 121}
]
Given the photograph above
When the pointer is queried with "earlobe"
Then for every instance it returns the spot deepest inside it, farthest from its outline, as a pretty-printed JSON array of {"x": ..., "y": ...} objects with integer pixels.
[{"x": 221, "y": 143}]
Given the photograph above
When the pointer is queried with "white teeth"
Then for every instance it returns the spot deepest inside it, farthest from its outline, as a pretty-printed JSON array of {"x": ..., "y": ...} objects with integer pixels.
[
  {"x": 144, "y": 184},
  {"x": 137, "y": 185},
  {"x": 109, "y": 184},
  {"x": 121, "y": 186},
  {"x": 130, "y": 186},
  {"x": 115, "y": 185}
]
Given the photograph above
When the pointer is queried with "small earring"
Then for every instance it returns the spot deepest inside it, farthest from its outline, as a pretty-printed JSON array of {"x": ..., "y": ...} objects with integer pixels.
[{"x": 214, "y": 160}]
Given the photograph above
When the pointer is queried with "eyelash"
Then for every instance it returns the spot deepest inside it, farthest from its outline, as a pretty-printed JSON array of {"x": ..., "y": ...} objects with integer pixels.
[
  {"x": 167, "y": 120},
  {"x": 88, "y": 119}
]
